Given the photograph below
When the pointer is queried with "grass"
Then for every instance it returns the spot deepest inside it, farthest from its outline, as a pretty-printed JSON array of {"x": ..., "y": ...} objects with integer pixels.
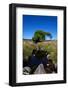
[{"x": 50, "y": 46}]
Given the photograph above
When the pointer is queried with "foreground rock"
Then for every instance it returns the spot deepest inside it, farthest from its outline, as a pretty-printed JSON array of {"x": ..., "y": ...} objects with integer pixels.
[{"x": 40, "y": 69}]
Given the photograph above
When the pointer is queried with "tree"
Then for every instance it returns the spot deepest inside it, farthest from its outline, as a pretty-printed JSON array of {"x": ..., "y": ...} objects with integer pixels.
[{"x": 40, "y": 36}]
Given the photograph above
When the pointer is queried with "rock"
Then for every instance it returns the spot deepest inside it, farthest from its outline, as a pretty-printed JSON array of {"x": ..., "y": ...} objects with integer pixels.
[
  {"x": 26, "y": 70},
  {"x": 40, "y": 69}
]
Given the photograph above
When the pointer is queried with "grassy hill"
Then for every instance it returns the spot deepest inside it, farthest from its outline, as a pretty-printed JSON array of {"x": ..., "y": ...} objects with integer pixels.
[{"x": 48, "y": 45}]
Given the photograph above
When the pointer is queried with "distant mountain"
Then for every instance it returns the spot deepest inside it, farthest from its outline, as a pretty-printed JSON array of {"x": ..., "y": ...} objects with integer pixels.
[
  {"x": 31, "y": 40},
  {"x": 27, "y": 39}
]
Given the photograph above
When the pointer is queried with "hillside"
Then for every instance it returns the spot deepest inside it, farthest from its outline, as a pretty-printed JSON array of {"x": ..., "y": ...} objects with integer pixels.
[{"x": 48, "y": 45}]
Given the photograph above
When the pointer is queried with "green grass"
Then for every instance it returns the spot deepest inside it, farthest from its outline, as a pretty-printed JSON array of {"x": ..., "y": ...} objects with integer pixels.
[{"x": 50, "y": 46}]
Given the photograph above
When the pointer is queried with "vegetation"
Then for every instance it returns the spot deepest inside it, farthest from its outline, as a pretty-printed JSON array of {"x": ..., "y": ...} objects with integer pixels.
[
  {"x": 49, "y": 46},
  {"x": 40, "y": 35},
  {"x": 40, "y": 49}
]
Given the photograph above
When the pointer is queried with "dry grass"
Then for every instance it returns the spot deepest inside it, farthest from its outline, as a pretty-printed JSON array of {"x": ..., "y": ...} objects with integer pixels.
[{"x": 50, "y": 46}]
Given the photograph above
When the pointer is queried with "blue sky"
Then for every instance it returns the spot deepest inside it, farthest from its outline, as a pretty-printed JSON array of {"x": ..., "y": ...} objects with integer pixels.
[{"x": 34, "y": 22}]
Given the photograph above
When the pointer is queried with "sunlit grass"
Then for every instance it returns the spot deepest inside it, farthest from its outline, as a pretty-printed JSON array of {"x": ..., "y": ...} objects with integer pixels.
[{"x": 50, "y": 46}]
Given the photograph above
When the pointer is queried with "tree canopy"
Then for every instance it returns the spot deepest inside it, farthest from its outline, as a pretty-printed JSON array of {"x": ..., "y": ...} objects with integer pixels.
[{"x": 40, "y": 36}]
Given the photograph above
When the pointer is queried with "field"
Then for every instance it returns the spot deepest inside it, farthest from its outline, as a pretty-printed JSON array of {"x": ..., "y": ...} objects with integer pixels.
[{"x": 50, "y": 46}]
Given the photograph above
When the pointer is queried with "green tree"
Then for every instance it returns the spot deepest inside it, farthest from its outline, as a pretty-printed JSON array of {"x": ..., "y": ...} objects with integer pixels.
[{"x": 40, "y": 36}]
